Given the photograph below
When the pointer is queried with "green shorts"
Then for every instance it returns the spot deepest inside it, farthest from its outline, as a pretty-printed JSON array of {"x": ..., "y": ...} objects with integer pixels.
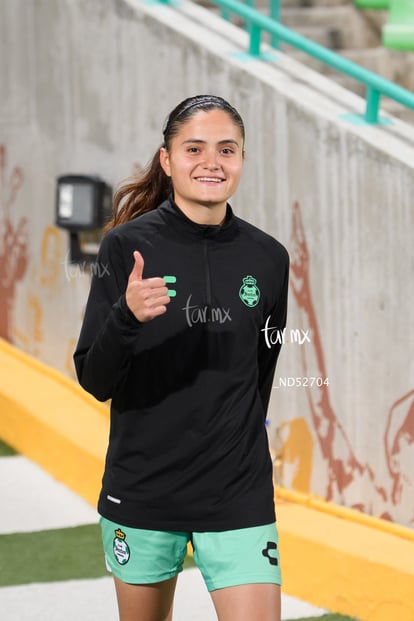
[{"x": 227, "y": 558}]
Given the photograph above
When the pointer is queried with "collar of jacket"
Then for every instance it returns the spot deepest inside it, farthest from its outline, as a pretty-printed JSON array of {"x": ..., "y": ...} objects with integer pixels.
[{"x": 173, "y": 215}]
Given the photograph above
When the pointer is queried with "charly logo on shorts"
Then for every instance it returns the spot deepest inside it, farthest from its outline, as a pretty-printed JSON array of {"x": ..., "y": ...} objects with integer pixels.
[
  {"x": 121, "y": 548},
  {"x": 249, "y": 292},
  {"x": 268, "y": 552}
]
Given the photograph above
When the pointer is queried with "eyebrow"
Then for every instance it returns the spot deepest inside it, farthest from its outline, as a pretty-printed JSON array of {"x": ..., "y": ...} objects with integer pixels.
[{"x": 199, "y": 141}]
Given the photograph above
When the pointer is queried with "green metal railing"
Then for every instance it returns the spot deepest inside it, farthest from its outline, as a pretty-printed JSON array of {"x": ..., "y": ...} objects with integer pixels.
[{"x": 256, "y": 23}]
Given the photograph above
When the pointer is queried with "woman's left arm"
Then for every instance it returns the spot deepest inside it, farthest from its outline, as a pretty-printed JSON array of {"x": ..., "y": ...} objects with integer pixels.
[{"x": 269, "y": 348}]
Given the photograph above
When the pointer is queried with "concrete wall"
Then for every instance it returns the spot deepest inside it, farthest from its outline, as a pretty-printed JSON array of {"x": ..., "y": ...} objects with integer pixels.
[{"x": 86, "y": 86}]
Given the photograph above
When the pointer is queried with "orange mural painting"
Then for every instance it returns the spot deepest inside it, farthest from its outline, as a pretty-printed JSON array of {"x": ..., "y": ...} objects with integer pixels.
[
  {"x": 51, "y": 259},
  {"x": 34, "y": 324},
  {"x": 44, "y": 287},
  {"x": 334, "y": 444},
  {"x": 13, "y": 244},
  {"x": 294, "y": 455},
  {"x": 399, "y": 451},
  {"x": 345, "y": 471}
]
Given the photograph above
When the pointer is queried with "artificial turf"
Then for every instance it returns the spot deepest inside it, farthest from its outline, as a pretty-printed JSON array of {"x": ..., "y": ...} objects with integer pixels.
[
  {"x": 68, "y": 554},
  {"x": 53, "y": 555},
  {"x": 6, "y": 450}
]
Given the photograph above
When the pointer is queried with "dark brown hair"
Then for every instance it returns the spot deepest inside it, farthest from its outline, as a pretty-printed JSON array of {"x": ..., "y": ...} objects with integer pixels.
[{"x": 149, "y": 188}]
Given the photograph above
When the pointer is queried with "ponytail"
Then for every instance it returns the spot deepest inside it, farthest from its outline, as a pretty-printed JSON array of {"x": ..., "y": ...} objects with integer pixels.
[{"x": 140, "y": 193}]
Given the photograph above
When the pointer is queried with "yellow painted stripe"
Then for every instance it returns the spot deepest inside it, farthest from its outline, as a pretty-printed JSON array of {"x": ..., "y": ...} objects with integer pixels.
[
  {"x": 345, "y": 566},
  {"x": 50, "y": 419},
  {"x": 314, "y": 502},
  {"x": 332, "y": 557}
]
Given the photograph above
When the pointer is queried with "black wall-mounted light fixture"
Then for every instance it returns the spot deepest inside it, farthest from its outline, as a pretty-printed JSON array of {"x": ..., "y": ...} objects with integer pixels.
[{"x": 83, "y": 203}]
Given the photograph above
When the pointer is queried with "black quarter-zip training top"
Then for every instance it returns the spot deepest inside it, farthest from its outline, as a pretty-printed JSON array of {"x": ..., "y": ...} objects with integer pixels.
[{"x": 189, "y": 389}]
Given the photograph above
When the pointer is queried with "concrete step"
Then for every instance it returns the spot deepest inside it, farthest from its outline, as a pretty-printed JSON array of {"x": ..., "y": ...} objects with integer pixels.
[
  {"x": 389, "y": 64},
  {"x": 353, "y": 29},
  {"x": 305, "y": 3},
  {"x": 389, "y": 106},
  {"x": 264, "y": 4},
  {"x": 376, "y": 59},
  {"x": 397, "y": 110},
  {"x": 347, "y": 82},
  {"x": 347, "y": 26},
  {"x": 313, "y": 3},
  {"x": 327, "y": 37}
]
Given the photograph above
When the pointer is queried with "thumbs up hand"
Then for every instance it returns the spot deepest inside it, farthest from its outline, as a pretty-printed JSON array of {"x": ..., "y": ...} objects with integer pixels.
[{"x": 147, "y": 298}]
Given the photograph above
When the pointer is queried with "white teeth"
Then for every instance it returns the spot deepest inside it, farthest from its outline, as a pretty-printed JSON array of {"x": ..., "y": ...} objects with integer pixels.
[{"x": 215, "y": 179}]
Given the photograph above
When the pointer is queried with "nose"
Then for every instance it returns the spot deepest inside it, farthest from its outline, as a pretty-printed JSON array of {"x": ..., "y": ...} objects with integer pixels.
[{"x": 211, "y": 160}]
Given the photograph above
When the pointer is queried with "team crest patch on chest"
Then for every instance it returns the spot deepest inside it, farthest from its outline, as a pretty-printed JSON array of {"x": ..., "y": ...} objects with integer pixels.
[
  {"x": 249, "y": 292},
  {"x": 121, "y": 548}
]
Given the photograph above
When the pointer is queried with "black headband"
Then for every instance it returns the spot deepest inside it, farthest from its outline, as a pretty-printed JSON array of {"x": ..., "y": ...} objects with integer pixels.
[{"x": 196, "y": 102}]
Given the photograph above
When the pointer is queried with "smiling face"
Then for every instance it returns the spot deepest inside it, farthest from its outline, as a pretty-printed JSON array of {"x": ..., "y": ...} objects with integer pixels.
[{"x": 205, "y": 161}]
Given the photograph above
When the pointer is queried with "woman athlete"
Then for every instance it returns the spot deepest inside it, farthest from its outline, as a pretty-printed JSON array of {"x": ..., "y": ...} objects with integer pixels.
[{"x": 174, "y": 335}]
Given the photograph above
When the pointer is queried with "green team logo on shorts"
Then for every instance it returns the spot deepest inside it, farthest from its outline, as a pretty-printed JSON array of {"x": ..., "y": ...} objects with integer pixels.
[
  {"x": 249, "y": 292},
  {"x": 121, "y": 548}
]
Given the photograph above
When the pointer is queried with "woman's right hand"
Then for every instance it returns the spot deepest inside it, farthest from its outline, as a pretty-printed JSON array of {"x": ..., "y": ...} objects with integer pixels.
[{"x": 146, "y": 298}]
